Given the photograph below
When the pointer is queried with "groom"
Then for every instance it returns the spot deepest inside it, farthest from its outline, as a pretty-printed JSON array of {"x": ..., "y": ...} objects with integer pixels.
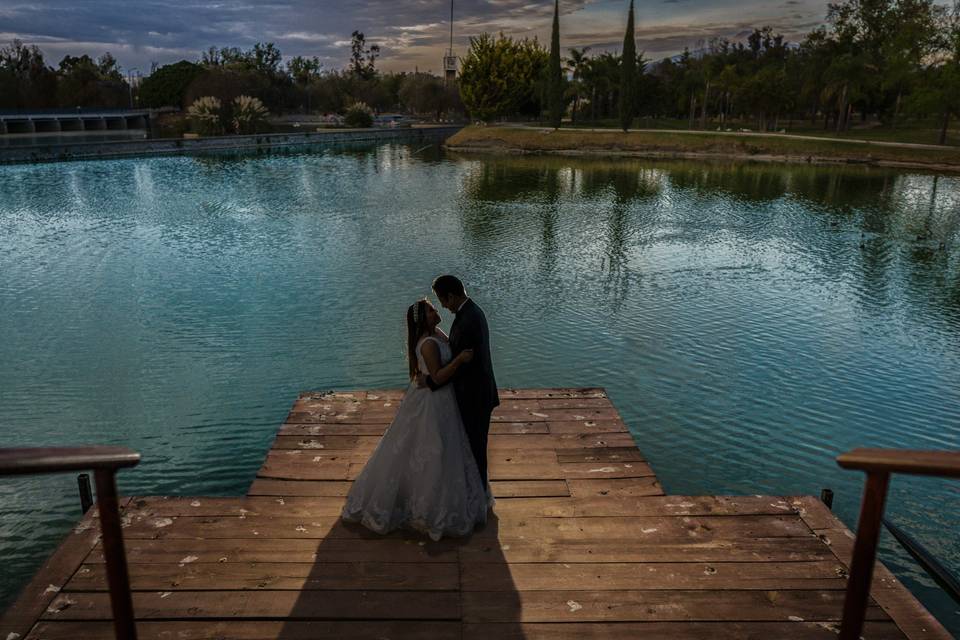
[{"x": 473, "y": 383}]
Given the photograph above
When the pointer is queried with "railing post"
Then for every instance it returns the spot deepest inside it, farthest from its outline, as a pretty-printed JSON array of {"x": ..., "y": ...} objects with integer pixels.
[
  {"x": 826, "y": 497},
  {"x": 864, "y": 555},
  {"x": 121, "y": 602},
  {"x": 86, "y": 495}
]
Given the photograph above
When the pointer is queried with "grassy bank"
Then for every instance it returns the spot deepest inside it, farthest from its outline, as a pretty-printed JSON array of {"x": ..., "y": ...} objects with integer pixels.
[
  {"x": 912, "y": 131},
  {"x": 677, "y": 144}
]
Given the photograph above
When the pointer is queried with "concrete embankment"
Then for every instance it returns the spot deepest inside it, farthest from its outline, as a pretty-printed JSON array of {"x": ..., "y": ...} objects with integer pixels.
[
  {"x": 66, "y": 151},
  {"x": 703, "y": 146}
]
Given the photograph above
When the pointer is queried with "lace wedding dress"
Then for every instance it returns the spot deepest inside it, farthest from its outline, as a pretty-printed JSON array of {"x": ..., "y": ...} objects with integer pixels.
[{"x": 422, "y": 475}]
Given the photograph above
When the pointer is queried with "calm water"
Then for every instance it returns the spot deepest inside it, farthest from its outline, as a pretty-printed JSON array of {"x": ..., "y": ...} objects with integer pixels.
[{"x": 750, "y": 322}]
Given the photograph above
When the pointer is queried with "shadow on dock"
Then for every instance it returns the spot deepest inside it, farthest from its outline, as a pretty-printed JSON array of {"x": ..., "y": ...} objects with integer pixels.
[{"x": 367, "y": 586}]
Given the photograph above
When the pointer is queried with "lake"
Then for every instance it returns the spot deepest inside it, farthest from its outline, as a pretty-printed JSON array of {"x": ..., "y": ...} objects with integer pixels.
[{"x": 750, "y": 321}]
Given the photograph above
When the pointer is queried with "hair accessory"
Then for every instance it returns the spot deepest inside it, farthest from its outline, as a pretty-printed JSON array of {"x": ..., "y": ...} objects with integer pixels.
[{"x": 416, "y": 312}]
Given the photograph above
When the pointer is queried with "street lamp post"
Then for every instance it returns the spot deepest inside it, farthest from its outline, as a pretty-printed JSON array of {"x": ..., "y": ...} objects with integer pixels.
[{"x": 130, "y": 76}]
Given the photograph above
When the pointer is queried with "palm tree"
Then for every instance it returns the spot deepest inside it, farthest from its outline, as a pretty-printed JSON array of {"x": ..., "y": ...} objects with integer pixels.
[{"x": 577, "y": 64}]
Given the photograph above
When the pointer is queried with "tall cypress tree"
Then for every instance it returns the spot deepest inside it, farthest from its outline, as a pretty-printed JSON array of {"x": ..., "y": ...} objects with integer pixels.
[
  {"x": 554, "y": 72},
  {"x": 628, "y": 75}
]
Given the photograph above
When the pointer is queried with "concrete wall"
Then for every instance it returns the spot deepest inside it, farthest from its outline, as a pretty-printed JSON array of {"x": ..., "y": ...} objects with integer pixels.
[
  {"x": 54, "y": 121},
  {"x": 64, "y": 151}
]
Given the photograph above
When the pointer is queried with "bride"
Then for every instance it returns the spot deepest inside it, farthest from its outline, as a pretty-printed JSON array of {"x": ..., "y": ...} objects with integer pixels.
[{"x": 422, "y": 475}]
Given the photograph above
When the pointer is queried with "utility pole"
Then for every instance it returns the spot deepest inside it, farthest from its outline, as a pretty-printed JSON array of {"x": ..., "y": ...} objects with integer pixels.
[{"x": 450, "y": 60}]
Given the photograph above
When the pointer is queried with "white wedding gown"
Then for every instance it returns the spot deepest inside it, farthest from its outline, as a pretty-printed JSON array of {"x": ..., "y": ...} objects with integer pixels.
[{"x": 422, "y": 475}]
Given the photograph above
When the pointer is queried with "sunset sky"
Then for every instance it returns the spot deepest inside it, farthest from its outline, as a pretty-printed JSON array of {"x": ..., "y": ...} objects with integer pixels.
[{"x": 411, "y": 33}]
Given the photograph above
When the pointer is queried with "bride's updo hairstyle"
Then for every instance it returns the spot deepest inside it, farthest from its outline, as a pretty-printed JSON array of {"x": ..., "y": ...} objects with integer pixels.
[{"x": 416, "y": 329}]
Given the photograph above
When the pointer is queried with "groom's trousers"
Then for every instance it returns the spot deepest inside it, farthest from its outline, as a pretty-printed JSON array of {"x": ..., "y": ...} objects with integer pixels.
[{"x": 477, "y": 426}]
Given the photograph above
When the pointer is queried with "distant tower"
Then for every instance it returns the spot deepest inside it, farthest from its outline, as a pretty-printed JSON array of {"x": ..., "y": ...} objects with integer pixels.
[{"x": 450, "y": 59}]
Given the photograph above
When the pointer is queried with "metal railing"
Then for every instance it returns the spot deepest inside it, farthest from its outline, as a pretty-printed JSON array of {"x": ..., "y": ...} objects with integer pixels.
[
  {"x": 878, "y": 464},
  {"x": 104, "y": 462}
]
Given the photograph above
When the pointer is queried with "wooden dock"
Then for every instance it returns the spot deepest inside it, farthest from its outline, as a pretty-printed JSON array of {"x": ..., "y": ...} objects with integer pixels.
[{"x": 584, "y": 545}]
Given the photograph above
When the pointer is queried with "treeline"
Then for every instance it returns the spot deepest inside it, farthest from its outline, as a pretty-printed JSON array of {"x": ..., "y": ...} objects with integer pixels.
[
  {"x": 880, "y": 59},
  {"x": 302, "y": 84},
  {"x": 27, "y": 82}
]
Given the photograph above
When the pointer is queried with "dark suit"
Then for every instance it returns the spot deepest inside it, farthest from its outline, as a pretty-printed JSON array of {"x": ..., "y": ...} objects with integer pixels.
[{"x": 474, "y": 384}]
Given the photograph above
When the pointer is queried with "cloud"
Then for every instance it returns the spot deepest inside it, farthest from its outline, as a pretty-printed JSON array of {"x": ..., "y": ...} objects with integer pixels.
[{"x": 410, "y": 32}]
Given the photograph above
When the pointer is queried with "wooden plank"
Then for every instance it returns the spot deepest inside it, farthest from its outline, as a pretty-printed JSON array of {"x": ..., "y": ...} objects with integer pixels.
[
  {"x": 293, "y": 471},
  {"x": 288, "y": 430},
  {"x": 52, "y": 576},
  {"x": 525, "y": 438},
  {"x": 508, "y": 525},
  {"x": 385, "y": 394},
  {"x": 337, "y": 442},
  {"x": 588, "y": 426},
  {"x": 519, "y": 404},
  {"x": 552, "y": 415},
  {"x": 561, "y": 507},
  {"x": 561, "y": 441},
  {"x": 795, "y": 630},
  {"x": 501, "y": 489},
  {"x": 255, "y": 630},
  {"x": 318, "y": 417},
  {"x": 252, "y": 506},
  {"x": 327, "y": 406},
  {"x": 609, "y": 506},
  {"x": 580, "y": 470},
  {"x": 521, "y": 456},
  {"x": 547, "y": 394},
  {"x": 529, "y": 488},
  {"x": 508, "y": 470},
  {"x": 317, "y": 443},
  {"x": 779, "y": 550},
  {"x": 305, "y": 605},
  {"x": 286, "y": 457},
  {"x": 600, "y": 454},
  {"x": 826, "y": 575},
  {"x": 637, "y": 606},
  {"x": 612, "y": 505},
  {"x": 337, "y": 395},
  {"x": 518, "y": 428},
  {"x": 193, "y": 576},
  {"x": 624, "y": 487},
  {"x": 282, "y": 488},
  {"x": 265, "y": 550},
  {"x": 575, "y": 403}
]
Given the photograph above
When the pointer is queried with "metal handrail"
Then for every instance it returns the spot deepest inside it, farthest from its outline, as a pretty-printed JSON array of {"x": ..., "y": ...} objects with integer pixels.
[
  {"x": 104, "y": 462},
  {"x": 940, "y": 574},
  {"x": 878, "y": 464}
]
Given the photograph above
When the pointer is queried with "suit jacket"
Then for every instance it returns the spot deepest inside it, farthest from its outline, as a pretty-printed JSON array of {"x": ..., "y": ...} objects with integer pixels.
[{"x": 474, "y": 382}]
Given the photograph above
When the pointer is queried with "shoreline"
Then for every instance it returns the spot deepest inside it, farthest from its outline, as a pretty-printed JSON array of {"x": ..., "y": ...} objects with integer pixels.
[
  {"x": 150, "y": 147},
  {"x": 709, "y": 146}
]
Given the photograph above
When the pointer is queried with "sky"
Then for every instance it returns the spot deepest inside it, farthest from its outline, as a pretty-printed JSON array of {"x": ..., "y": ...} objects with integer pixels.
[{"x": 411, "y": 33}]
